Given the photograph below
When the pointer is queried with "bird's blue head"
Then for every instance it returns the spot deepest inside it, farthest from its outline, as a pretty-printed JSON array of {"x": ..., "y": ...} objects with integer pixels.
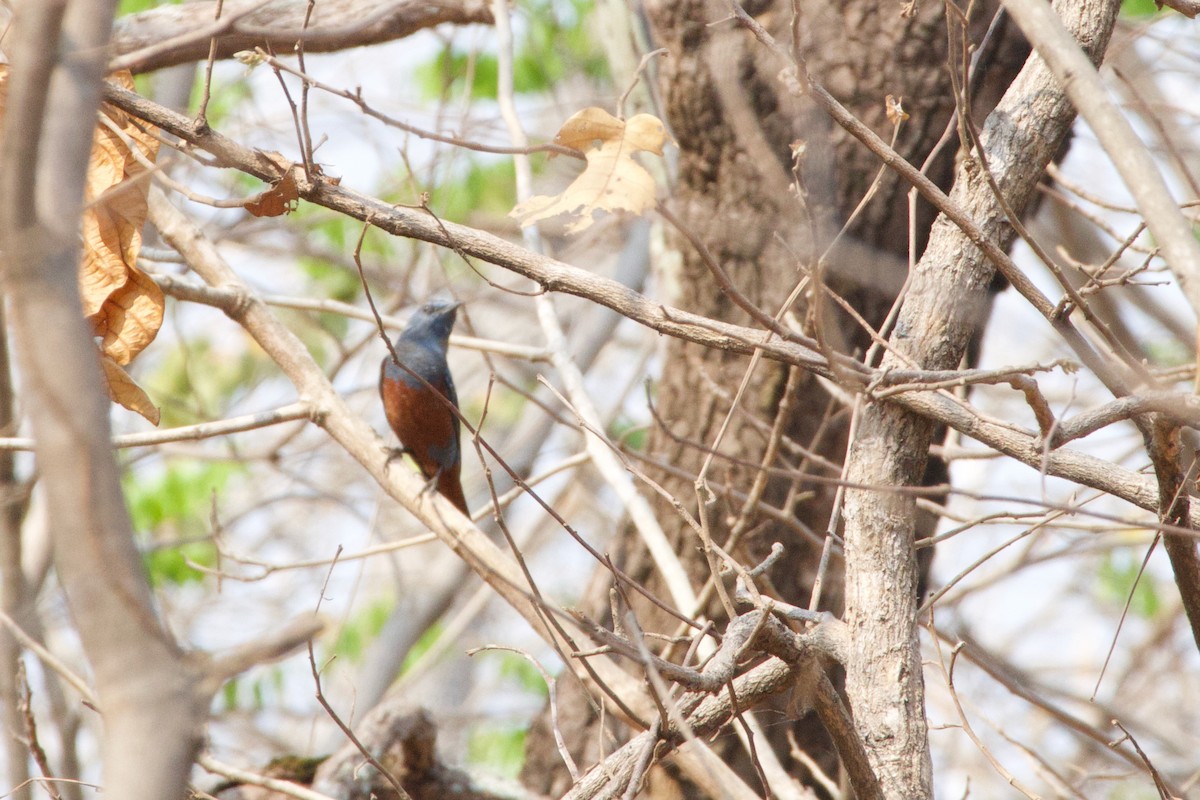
[{"x": 433, "y": 321}]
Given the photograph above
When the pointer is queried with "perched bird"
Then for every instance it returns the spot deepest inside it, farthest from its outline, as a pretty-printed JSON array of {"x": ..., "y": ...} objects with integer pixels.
[{"x": 427, "y": 428}]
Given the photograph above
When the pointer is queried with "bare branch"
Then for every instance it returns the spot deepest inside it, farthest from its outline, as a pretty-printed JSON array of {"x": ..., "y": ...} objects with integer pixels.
[
  {"x": 557, "y": 276},
  {"x": 178, "y": 34},
  {"x": 1081, "y": 82}
]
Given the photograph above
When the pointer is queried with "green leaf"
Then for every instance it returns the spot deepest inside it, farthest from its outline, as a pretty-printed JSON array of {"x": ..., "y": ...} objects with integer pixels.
[
  {"x": 229, "y": 694},
  {"x": 1167, "y": 353},
  {"x": 255, "y": 693},
  {"x": 1140, "y": 9},
  {"x": 361, "y": 629},
  {"x": 1115, "y": 579},
  {"x": 224, "y": 99},
  {"x": 518, "y": 669},
  {"x": 631, "y": 435},
  {"x": 170, "y": 510},
  {"x": 172, "y": 566},
  {"x": 199, "y": 380},
  {"x": 483, "y": 189},
  {"x": 553, "y": 40},
  {"x": 426, "y": 641},
  {"x": 175, "y": 503},
  {"x": 498, "y": 748},
  {"x": 126, "y": 7}
]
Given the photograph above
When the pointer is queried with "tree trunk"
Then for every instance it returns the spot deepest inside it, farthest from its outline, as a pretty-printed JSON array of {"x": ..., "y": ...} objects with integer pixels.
[{"x": 746, "y": 144}]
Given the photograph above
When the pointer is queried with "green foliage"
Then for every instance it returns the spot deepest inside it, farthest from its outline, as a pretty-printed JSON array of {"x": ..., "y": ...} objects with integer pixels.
[
  {"x": 173, "y": 506},
  {"x": 553, "y": 42},
  {"x": 1115, "y": 579},
  {"x": 427, "y": 640},
  {"x": 485, "y": 189},
  {"x": 172, "y": 566},
  {"x": 125, "y": 7},
  {"x": 335, "y": 283},
  {"x": 517, "y": 669},
  {"x": 252, "y": 693},
  {"x": 504, "y": 407},
  {"x": 143, "y": 84},
  {"x": 339, "y": 233},
  {"x": 361, "y": 629},
  {"x": 176, "y": 502},
  {"x": 334, "y": 231},
  {"x": 497, "y": 748},
  {"x": 1140, "y": 9},
  {"x": 229, "y": 694},
  {"x": 1167, "y": 353},
  {"x": 224, "y": 98},
  {"x": 632, "y": 435},
  {"x": 450, "y": 69},
  {"x": 331, "y": 281},
  {"x": 199, "y": 379}
]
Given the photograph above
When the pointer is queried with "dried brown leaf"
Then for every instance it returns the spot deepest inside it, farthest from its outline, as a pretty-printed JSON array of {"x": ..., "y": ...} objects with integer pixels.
[
  {"x": 280, "y": 199},
  {"x": 130, "y": 318},
  {"x": 612, "y": 181},
  {"x": 894, "y": 108},
  {"x": 123, "y": 390},
  {"x": 123, "y": 305}
]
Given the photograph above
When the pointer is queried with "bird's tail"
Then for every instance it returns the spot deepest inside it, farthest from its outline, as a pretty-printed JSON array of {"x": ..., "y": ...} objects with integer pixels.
[{"x": 449, "y": 486}]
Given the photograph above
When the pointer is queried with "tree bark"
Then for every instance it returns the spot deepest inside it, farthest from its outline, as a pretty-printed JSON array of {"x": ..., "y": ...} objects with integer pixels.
[
  {"x": 736, "y": 124},
  {"x": 150, "y": 695},
  {"x": 182, "y": 34},
  {"x": 939, "y": 314}
]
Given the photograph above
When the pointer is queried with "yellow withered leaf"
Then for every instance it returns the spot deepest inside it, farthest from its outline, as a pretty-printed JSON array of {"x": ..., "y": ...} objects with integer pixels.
[{"x": 613, "y": 180}]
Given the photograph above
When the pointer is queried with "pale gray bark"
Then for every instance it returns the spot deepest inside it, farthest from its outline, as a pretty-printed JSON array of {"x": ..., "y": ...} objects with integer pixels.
[
  {"x": 884, "y": 676},
  {"x": 148, "y": 691}
]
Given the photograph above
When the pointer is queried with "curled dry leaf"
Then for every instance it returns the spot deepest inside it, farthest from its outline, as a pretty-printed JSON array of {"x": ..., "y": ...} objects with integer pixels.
[
  {"x": 280, "y": 199},
  {"x": 894, "y": 107},
  {"x": 130, "y": 318},
  {"x": 123, "y": 304},
  {"x": 613, "y": 180},
  {"x": 123, "y": 390}
]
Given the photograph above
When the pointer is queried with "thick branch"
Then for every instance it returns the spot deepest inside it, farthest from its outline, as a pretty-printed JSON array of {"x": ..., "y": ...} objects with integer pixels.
[
  {"x": 1164, "y": 443},
  {"x": 940, "y": 314},
  {"x": 765, "y": 680},
  {"x": 500, "y": 571},
  {"x": 557, "y": 276},
  {"x": 153, "y": 702},
  {"x": 178, "y": 34}
]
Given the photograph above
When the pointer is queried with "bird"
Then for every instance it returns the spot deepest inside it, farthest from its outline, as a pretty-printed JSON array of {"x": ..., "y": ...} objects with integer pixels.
[{"x": 426, "y": 425}]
